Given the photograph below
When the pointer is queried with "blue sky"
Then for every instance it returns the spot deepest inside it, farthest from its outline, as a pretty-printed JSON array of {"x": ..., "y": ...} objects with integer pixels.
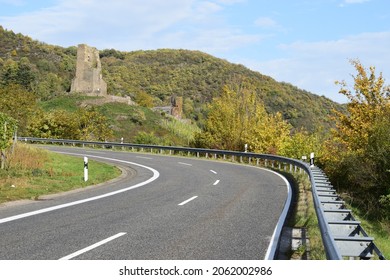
[{"x": 307, "y": 43}]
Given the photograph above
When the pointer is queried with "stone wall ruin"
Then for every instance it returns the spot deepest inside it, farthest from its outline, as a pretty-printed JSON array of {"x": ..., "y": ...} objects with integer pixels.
[{"x": 88, "y": 79}]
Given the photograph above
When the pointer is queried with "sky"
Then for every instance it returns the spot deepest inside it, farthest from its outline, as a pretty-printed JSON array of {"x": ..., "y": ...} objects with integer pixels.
[{"x": 308, "y": 43}]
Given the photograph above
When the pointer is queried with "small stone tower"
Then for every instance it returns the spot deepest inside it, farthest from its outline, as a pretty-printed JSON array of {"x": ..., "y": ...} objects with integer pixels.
[
  {"x": 88, "y": 78},
  {"x": 177, "y": 107}
]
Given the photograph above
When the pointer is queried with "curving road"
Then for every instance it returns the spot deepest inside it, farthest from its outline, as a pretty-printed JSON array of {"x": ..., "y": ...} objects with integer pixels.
[{"x": 165, "y": 208}]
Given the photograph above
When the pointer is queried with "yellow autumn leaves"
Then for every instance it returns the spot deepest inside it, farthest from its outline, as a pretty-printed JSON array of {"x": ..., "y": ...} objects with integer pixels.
[{"x": 238, "y": 117}]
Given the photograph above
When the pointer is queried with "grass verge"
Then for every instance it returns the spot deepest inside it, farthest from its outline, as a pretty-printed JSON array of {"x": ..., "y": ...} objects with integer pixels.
[
  {"x": 380, "y": 230},
  {"x": 32, "y": 172},
  {"x": 304, "y": 216}
]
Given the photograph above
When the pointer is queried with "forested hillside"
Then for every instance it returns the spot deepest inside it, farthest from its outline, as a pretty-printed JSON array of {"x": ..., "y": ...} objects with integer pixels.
[
  {"x": 155, "y": 76},
  {"x": 199, "y": 77},
  {"x": 230, "y": 106}
]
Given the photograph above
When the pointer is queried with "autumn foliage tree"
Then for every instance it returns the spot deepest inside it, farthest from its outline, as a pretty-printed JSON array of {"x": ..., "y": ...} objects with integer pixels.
[
  {"x": 84, "y": 124},
  {"x": 8, "y": 126},
  {"x": 358, "y": 156},
  {"x": 237, "y": 118},
  {"x": 18, "y": 103}
]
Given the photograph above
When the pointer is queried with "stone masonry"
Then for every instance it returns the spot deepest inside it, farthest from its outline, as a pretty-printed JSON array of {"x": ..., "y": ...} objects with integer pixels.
[{"x": 88, "y": 78}]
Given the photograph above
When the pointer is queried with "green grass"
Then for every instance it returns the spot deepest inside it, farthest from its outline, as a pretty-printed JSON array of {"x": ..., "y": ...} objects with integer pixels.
[
  {"x": 304, "y": 216},
  {"x": 183, "y": 130},
  {"x": 130, "y": 122},
  {"x": 68, "y": 103},
  {"x": 34, "y": 172},
  {"x": 380, "y": 230}
]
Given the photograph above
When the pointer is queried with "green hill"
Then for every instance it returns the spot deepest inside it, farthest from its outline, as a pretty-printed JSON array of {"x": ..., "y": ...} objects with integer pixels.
[
  {"x": 48, "y": 70},
  {"x": 198, "y": 77}
]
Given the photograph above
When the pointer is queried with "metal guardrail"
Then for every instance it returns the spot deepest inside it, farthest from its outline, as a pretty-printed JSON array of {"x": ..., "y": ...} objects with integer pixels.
[{"x": 343, "y": 237}]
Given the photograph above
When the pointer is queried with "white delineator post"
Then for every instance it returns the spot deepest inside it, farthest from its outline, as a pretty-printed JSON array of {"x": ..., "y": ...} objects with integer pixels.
[
  {"x": 311, "y": 159},
  {"x": 85, "y": 169}
]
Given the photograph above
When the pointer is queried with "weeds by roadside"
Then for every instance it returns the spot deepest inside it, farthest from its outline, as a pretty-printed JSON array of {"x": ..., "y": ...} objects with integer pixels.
[
  {"x": 33, "y": 172},
  {"x": 303, "y": 216}
]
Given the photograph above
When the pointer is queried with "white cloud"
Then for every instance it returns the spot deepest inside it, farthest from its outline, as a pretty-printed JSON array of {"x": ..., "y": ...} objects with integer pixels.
[
  {"x": 75, "y": 21},
  {"x": 266, "y": 23},
  {"x": 134, "y": 24},
  {"x": 13, "y": 2},
  {"x": 315, "y": 66},
  {"x": 230, "y": 2},
  {"x": 351, "y": 2},
  {"x": 355, "y": 1}
]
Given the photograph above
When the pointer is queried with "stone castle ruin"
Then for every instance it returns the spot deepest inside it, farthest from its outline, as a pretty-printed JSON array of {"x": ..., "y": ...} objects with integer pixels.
[
  {"x": 175, "y": 109},
  {"x": 88, "y": 78},
  {"x": 89, "y": 81}
]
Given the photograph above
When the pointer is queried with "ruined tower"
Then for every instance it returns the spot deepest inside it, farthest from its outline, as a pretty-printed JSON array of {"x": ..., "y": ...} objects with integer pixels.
[
  {"x": 176, "y": 107},
  {"x": 88, "y": 78}
]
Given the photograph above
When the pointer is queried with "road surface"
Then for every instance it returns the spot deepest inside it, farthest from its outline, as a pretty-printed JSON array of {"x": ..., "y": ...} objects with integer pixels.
[{"x": 167, "y": 208}]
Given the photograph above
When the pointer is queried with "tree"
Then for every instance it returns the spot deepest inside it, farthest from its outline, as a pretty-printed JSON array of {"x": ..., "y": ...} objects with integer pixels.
[
  {"x": 8, "y": 127},
  {"x": 49, "y": 87},
  {"x": 25, "y": 75},
  {"x": 20, "y": 73},
  {"x": 357, "y": 156},
  {"x": 57, "y": 124},
  {"x": 85, "y": 124},
  {"x": 237, "y": 118},
  {"x": 144, "y": 99},
  {"x": 9, "y": 73},
  {"x": 368, "y": 103},
  {"x": 92, "y": 125},
  {"x": 302, "y": 143},
  {"x": 18, "y": 103}
]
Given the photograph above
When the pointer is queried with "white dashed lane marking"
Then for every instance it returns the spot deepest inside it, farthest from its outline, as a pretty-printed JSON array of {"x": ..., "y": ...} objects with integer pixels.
[
  {"x": 183, "y": 163},
  {"x": 186, "y": 201}
]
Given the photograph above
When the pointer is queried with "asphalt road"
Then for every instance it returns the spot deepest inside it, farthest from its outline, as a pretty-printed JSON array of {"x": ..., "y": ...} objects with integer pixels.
[{"x": 165, "y": 208}]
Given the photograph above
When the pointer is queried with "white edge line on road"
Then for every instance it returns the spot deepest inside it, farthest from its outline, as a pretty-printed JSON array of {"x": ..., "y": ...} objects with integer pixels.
[
  {"x": 143, "y": 157},
  {"x": 156, "y": 174},
  {"x": 93, "y": 246},
  {"x": 271, "y": 251},
  {"x": 216, "y": 182},
  {"x": 212, "y": 171},
  {"x": 183, "y": 163},
  {"x": 188, "y": 200}
]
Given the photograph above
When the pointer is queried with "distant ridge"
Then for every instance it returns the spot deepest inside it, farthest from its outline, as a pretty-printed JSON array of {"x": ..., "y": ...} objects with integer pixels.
[{"x": 160, "y": 74}]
